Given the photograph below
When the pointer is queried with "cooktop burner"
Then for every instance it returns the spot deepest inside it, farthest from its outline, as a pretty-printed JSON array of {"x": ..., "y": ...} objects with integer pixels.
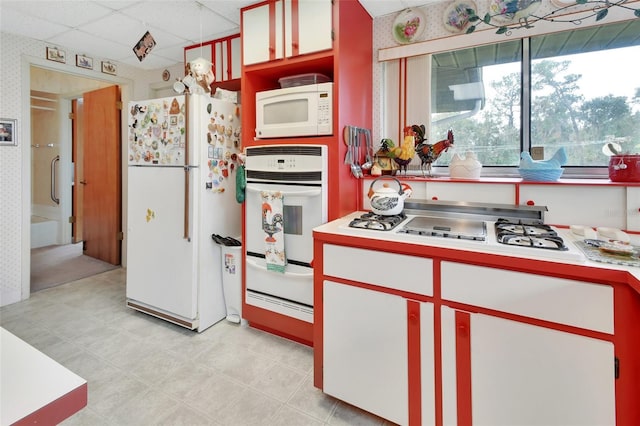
[
  {"x": 535, "y": 235},
  {"x": 377, "y": 221}
]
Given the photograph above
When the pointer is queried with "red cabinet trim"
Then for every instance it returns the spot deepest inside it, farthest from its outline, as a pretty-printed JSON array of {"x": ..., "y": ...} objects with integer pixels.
[
  {"x": 463, "y": 368},
  {"x": 414, "y": 356},
  {"x": 295, "y": 29}
]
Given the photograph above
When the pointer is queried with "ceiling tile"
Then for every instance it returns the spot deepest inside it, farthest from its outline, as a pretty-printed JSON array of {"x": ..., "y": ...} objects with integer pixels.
[
  {"x": 68, "y": 13},
  {"x": 188, "y": 20},
  {"x": 91, "y": 45},
  {"x": 15, "y": 22}
]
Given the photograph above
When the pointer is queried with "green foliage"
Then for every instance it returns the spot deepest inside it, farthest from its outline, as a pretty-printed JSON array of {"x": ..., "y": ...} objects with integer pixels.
[{"x": 560, "y": 116}]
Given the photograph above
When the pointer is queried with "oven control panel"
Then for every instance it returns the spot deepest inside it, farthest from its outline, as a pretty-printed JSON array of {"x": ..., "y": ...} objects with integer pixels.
[{"x": 287, "y": 158}]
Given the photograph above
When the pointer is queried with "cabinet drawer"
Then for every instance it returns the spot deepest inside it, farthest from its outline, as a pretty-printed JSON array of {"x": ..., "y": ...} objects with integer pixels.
[
  {"x": 563, "y": 301},
  {"x": 395, "y": 271},
  {"x": 603, "y": 206},
  {"x": 471, "y": 192}
]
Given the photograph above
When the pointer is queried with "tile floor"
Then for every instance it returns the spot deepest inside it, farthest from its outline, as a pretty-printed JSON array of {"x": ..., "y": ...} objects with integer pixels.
[{"x": 145, "y": 371}]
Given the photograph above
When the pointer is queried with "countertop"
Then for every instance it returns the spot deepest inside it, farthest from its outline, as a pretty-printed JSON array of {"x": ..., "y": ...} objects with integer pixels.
[
  {"x": 35, "y": 388},
  {"x": 574, "y": 257}
]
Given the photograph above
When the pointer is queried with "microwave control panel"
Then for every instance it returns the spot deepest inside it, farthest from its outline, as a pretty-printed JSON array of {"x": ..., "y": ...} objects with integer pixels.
[{"x": 324, "y": 110}]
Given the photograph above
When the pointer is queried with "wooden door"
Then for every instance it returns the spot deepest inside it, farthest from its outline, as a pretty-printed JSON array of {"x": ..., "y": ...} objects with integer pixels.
[
  {"x": 77, "y": 156},
  {"x": 102, "y": 180}
]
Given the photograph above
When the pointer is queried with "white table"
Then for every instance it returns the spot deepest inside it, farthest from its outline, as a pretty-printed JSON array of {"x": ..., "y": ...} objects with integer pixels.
[{"x": 33, "y": 387}]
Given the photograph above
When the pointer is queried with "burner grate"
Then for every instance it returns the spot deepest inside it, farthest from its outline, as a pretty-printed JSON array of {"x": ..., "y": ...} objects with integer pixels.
[
  {"x": 524, "y": 234},
  {"x": 377, "y": 222}
]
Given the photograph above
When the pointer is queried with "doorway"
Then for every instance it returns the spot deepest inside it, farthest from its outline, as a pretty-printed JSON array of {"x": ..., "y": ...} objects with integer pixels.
[{"x": 55, "y": 138}]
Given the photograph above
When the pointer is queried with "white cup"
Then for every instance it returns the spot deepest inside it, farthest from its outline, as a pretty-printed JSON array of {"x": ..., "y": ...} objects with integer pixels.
[
  {"x": 189, "y": 81},
  {"x": 179, "y": 87}
]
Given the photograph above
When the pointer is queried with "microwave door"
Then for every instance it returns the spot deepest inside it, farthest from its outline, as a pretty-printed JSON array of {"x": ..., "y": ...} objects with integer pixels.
[{"x": 286, "y": 115}]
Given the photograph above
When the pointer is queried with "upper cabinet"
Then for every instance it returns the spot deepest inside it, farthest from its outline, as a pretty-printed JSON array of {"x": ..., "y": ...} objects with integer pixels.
[
  {"x": 224, "y": 55},
  {"x": 294, "y": 27}
]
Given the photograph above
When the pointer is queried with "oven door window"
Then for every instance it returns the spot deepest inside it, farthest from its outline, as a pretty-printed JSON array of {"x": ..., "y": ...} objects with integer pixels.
[{"x": 302, "y": 211}]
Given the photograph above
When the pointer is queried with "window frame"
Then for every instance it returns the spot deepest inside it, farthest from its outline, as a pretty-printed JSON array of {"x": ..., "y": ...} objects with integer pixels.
[{"x": 401, "y": 54}]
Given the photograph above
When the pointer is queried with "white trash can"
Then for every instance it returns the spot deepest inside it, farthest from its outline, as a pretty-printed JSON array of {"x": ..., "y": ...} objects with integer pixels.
[{"x": 232, "y": 282}]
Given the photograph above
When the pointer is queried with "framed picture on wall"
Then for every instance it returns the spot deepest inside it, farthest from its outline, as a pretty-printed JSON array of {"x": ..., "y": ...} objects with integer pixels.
[
  {"x": 55, "y": 54},
  {"x": 8, "y": 131},
  {"x": 109, "y": 68},
  {"x": 84, "y": 62}
]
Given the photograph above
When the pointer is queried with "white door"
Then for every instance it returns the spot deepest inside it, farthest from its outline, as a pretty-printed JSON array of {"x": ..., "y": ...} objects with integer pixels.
[
  {"x": 256, "y": 34},
  {"x": 161, "y": 265},
  {"x": 527, "y": 375},
  {"x": 365, "y": 350},
  {"x": 314, "y": 26}
]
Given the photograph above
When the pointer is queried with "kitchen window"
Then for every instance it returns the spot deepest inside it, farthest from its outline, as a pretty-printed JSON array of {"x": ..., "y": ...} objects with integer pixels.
[{"x": 578, "y": 89}]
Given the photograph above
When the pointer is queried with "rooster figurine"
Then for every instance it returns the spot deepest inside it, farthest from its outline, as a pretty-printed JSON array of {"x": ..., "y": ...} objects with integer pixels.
[
  {"x": 429, "y": 153},
  {"x": 273, "y": 227},
  {"x": 404, "y": 153}
]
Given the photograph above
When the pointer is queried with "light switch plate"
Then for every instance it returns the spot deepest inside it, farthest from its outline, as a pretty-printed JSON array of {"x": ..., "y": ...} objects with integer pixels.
[{"x": 537, "y": 152}]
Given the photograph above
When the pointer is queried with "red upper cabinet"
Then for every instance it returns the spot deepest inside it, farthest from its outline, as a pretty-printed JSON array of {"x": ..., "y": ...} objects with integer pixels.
[
  {"x": 294, "y": 27},
  {"x": 224, "y": 54}
]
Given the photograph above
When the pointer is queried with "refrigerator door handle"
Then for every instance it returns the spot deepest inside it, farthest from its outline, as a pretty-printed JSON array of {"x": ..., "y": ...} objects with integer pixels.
[{"x": 187, "y": 236}]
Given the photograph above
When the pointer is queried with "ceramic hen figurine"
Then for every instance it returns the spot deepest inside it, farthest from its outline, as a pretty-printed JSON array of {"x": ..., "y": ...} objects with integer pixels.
[
  {"x": 429, "y": 153},
  {"x": 559, "y": 159}
]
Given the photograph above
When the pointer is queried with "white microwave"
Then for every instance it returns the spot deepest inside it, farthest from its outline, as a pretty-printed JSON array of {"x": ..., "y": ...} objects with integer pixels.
[{"x": 295, "y": 111}]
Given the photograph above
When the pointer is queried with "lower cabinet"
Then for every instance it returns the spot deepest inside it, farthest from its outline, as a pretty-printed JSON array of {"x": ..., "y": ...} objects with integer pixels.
[
  {"x": 366, "y": 357},
  {"x": 501, "y": 372},
  {"x": 365, "y": 350}
]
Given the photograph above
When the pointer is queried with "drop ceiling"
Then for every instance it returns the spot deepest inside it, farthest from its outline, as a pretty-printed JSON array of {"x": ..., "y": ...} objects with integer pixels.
[{"x": 108, "y": 30}]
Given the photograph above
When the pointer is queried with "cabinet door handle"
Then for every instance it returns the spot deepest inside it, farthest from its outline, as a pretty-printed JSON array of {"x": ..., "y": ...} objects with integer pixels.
[
  {"x": 462, "y": 330},
  {"x": 531, "y": 203},
  {"x": 434, "y": 198}
]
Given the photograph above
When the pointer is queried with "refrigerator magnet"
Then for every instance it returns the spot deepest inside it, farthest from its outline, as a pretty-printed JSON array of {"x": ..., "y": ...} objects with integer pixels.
[{"x": 210, "y": 147}]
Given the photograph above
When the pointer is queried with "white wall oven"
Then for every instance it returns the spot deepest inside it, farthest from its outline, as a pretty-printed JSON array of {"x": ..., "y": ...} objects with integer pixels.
[{"x": 299, "y": 174}]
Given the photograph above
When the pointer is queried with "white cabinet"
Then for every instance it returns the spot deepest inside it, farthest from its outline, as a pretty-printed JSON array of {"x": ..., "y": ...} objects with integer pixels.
[
  {"x": 521, "y": 374},
  {"x": 276, "y": 29},
  {"x": 390, "y": 270},
  {"x": 223, "y": 53},
  {"x": 471, "y": 192},
  {"x": 365, "y": 350},
  {"x": 367, "y": 339},
  {"x": 559, "y": 300},
  {"x": 590, "y": 205},
  {"x": 500, "y": 371},
  {"x": 257, "y": 43}
]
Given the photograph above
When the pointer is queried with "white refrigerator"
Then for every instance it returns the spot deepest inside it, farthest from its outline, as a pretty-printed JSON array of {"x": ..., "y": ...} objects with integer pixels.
[{"x": 183, "y": 154}]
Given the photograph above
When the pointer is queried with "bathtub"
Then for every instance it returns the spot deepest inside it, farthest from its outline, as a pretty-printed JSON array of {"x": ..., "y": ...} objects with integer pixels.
[{"x": 44, "y": 232}]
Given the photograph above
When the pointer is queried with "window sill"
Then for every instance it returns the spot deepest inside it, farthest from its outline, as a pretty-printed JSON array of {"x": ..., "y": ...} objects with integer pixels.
[{"x": 514, "y": 180}]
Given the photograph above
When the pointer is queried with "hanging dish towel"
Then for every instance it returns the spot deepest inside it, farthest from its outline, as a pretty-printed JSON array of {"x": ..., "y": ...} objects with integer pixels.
[
  {"x": 241, "y": 184},
  {"x": 273, "y": 227}
]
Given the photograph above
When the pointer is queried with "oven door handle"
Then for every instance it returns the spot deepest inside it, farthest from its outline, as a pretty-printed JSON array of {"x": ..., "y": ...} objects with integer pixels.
[
  {"x": 308, "y": 193},
  {"x": 251, "y": 262}
]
